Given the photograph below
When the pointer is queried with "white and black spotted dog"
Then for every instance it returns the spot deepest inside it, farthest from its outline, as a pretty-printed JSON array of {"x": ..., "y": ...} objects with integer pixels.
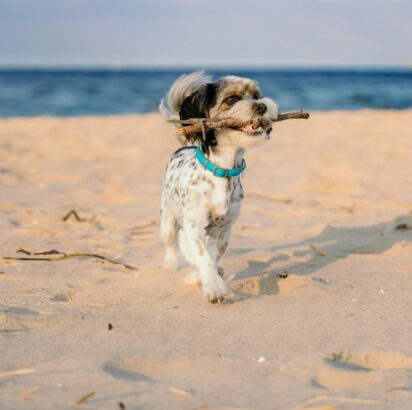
[{"x": 202, "y": 191}]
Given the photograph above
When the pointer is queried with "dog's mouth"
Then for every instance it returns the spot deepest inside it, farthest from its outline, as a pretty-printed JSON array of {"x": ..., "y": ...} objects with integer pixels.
[{"x": 255, "y": 126}]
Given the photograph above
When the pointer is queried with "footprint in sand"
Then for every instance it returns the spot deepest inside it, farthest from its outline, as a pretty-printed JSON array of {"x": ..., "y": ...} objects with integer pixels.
[
  {"x": 152, "y": 368},
  {"x": 182, "y": 371},
  {"x": 62, "y": 297},
  {"x": 17, "y": 310},
  {"x": 370, "y": 360},
  {"x": 268, "y": 284},
  {"x": 359, "y": 369},
  {"x": 344, "y": 379},
  {"x": 126, "y": 369}
]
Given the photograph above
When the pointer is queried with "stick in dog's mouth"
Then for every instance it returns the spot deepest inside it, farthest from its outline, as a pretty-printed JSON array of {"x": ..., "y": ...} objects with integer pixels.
[
  {"x": 193, "y": 125},
  {"x": 255, "y": 126}
]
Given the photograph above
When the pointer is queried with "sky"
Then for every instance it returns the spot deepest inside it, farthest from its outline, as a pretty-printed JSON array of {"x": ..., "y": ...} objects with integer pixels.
[{"x": 205, "y": 33}]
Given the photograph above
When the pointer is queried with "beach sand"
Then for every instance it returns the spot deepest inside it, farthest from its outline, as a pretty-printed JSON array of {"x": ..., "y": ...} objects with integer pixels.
[{"x": 320, "y": 265}]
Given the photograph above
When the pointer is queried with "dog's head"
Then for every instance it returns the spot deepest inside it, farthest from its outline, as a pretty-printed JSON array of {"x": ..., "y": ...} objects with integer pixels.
[{"x": 196, "y": 96}]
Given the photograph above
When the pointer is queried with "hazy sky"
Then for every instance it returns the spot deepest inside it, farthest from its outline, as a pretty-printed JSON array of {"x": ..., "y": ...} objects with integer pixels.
[{"x": 206, "y": 32}]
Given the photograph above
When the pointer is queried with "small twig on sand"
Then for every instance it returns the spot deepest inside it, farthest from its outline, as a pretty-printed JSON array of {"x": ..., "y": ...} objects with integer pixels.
[
  {"x": 317, "y": 250},
  {"x": 195, "y": 124},
  {"x": 85, "y": 398},
  {"x": 179, "y": 392},
  {"x": 16, "y": 372},
  {"x": 75, "y": 215},
  {"x": 63, "y": 256},
  {"x": 21, "y": 250}
]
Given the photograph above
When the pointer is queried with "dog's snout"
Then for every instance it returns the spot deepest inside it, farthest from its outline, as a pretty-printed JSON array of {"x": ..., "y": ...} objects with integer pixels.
[{"x": 259, "y": 108}]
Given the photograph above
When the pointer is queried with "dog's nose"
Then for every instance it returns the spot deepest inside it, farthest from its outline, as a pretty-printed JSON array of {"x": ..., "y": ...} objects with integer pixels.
[{"x": 259, "y": 108}]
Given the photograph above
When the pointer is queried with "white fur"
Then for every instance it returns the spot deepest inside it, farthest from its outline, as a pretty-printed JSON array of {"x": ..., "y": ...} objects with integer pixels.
[{"x": 181, "y": 88}]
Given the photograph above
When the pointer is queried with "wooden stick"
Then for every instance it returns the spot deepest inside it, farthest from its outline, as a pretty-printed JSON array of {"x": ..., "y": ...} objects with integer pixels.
[
  {"x": 195, "y": 124},
  {"x": 196, "y": 120},
  {"x": 293, "y": 115}
]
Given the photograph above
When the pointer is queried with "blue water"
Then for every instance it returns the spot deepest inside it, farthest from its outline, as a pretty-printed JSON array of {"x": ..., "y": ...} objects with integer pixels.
[{"x": 84, "y": 92}]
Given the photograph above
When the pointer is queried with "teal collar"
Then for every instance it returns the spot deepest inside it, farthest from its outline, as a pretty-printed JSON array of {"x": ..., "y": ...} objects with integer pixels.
[{"x": 215, "y": 170}]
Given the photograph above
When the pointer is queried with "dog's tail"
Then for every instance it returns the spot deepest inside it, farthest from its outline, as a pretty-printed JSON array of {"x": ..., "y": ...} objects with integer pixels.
[{"x": 184, "y": 86}]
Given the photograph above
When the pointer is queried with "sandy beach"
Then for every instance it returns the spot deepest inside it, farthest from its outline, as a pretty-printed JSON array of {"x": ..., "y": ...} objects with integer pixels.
[{"x": 320, "y": 266}]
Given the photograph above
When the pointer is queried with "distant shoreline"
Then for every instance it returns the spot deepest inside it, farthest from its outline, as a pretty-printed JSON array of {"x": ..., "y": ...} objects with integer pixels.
[{"x": 70, "y": 92}]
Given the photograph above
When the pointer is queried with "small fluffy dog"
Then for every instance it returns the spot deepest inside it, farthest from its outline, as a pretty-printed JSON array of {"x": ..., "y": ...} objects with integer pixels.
[{"x": 202, "y": 191}]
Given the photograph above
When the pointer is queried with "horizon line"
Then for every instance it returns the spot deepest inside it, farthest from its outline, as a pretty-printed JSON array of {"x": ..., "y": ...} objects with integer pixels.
[{"x": 163, "y": 67}]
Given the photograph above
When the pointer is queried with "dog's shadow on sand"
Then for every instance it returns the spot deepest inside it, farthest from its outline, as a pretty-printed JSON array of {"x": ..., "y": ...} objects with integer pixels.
[{"x": 332, "y": 244}]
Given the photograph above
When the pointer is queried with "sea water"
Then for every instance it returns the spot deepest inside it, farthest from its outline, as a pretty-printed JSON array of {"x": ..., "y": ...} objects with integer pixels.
[{"x": 70, "y": 92}]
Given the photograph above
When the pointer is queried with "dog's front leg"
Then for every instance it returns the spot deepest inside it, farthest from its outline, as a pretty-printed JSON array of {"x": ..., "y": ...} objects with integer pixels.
[{"x": 214, "y": 288}]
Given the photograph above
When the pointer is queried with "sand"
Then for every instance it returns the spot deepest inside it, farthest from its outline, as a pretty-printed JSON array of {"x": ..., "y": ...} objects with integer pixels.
[{"x": 320, "y": 265}]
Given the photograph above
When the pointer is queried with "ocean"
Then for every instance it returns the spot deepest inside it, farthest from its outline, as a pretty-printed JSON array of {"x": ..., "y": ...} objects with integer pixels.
[{"x": 64, "y": 92}]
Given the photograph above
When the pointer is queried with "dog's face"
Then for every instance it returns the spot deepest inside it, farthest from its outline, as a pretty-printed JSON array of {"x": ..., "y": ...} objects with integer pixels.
[{"x": 236, "y": 98}]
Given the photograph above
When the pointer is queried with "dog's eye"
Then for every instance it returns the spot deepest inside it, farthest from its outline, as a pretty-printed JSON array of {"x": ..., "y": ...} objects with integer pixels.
[
  {"x": 232, "y": 99},
  {"x": 256, "y": 96}
]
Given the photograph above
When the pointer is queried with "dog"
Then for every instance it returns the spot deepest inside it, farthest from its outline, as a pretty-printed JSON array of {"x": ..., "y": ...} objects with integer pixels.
[{"x": 202, "y": 190}]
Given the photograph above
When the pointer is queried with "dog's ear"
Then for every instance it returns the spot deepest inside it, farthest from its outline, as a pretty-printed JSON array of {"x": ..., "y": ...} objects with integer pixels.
[{"x": 198, "y": 105}]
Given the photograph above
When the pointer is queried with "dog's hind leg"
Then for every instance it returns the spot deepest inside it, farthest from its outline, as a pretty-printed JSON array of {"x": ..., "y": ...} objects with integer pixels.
[{"x": 168, "y": 233}]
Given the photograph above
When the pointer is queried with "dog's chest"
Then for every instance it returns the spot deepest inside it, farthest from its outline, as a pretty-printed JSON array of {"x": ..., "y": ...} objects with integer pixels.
[{"x": 225, "y": 200}]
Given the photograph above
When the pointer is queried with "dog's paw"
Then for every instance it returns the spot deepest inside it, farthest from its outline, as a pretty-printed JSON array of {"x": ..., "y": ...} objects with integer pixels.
[
  {"x": 214, "y": 289},
  {"x": 192, "y": 279}
]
